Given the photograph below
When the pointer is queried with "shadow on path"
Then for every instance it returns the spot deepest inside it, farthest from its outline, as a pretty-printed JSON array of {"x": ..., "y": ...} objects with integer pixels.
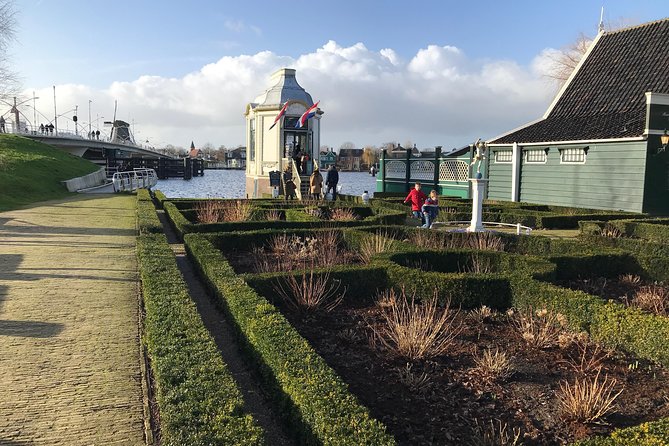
[{"x": 30, "y": 329}]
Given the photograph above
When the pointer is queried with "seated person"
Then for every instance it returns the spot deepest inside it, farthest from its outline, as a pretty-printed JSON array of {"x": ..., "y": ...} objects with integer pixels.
[{"x": 430, "y": 209}]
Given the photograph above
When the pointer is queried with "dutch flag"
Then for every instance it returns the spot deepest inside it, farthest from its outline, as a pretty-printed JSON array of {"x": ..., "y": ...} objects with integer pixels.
[
  {"x": 280, "y": 115},
  {"x": 311, "y": 111}
]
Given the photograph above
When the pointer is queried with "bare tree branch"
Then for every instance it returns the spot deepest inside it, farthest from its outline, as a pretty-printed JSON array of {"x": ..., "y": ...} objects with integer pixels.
[{"x": 8, "y": 78}]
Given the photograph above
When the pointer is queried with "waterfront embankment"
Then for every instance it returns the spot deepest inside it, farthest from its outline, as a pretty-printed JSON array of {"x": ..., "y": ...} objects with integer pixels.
[{"x": 69, "y": 336}]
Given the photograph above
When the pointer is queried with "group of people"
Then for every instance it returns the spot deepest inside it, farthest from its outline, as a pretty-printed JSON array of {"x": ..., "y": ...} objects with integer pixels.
[
  {"x": 46, "y": 128},
  {"x": 422, "y": 206},
  {"x": 315, "y": 183},
  {"x": 301, "y": 160}
]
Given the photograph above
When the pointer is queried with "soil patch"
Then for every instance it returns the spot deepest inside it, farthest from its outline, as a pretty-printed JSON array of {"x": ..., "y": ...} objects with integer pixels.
[{"x": 440, "y": 401}]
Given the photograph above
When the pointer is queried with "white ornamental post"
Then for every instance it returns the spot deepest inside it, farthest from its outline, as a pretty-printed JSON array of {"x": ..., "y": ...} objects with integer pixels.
[{"x": 478, "y": 189}]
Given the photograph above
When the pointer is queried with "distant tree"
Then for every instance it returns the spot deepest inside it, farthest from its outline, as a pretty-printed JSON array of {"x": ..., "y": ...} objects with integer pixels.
[
  {"x": 387, "y": 146},
  {"x": 8, "y": 78},
  {"x": 370, "y": 155},
  {"x": 567, "y": 58},
  {"x": 347, "y": 146},
  {"x": 408, "y": 144}
]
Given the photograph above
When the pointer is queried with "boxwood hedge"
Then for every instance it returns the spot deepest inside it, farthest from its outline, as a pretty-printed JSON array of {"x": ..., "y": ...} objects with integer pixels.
[{"x": 198, "y": 399}]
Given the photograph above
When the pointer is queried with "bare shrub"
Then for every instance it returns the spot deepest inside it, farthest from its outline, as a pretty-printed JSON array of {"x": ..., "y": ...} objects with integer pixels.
[
  {"x": 494, "y": 365},
  {"x": 417, "y": 331},
  {"x": 237, "y": 210},
  {"x": 342, "y": 214},
  {"x": 416, "y": 381},
  {"x": 209, "y": 211},
  {"x": 477, "y": 265},
  {"x": 310, "y": 292},
  {"x": 540, "y": 329},
  {"x": 495, "y": 434},
  {"x": 387, "y": 298},
  {"x": 590, "y": 358},
  {"x": 377, "y": 243},
  {"x": 611, "y": 231},
  {"x": 630, "y": 279},
  {"x": 652, "y": 298},
  {"x": 426, "y": 239},
  {"x": 484, "y": 241},
  {"x": 482, "y": 314},
  {"x": 263, "y": 263},
  {"x": 588, "y": 399},
  {"x": 273, "y": 215}
]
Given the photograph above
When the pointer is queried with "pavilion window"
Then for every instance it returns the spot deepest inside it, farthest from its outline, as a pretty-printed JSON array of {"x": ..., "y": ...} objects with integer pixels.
[
  {"x": 252, "y": 140},
  {"x": 503, "y": 157},
  {"x": 573, "y": 156}
]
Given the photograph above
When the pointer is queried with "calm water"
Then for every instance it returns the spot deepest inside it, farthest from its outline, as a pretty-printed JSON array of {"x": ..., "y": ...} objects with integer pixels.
[{"x": 231, "y": 184}]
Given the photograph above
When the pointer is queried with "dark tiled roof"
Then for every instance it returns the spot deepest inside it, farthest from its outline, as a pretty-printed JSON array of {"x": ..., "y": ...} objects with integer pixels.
[{"x": 606, "y": 97}]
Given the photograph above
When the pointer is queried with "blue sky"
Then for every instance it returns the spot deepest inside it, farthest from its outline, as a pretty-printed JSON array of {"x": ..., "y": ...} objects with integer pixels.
[{"x": 201, "y": 61}]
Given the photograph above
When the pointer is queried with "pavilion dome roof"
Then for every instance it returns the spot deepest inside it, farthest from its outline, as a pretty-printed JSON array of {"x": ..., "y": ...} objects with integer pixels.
[{"x": 285, "y": 88}]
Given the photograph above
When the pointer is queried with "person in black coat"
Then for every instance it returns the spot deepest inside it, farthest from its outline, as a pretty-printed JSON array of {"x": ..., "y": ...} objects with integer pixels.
[{"x": 331, "y": 180}]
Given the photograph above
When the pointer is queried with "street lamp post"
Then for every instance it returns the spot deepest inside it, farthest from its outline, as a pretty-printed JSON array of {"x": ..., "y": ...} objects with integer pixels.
[
  {"x": 34, "y": 114},
  {"x": 89, "y": 117},
  {"x": 55, "y": 113},
  {"x": 75, "y": 119}
]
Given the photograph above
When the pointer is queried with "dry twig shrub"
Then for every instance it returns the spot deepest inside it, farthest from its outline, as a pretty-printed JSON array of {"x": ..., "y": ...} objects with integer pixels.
[
  {"x": 630, "y": 279},
  {"x": 377, "y": 243},
  {"x": 495, "y": 434},
  {"x": 540, "y": 329},
  {"x": 427, "y": 240},
  {"x": 494, "y": 365},
  {"x": 590, "y": 358},
  {"x": 310, "y": 292},
  {"x": 273, "y": 215},
  {"x": 484, "y": 241},
  {"x": 416, "y": 381},
  {"x": 342, "y": 214},
  {"x": 209, "y": 211},
  {"x": 477, "y": 265},
  {"x": 482, "y": 314},
  {"x": 611, "y": 231},
  {"x": 238, "y": 210},
  {"x": 652, "y": 298},
  {"x": 417, "y": 331},
  {"x": 588, "y": 399}
]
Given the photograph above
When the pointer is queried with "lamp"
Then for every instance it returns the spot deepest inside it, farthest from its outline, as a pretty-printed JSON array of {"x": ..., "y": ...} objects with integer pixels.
[{"x": 664, "y": 139}]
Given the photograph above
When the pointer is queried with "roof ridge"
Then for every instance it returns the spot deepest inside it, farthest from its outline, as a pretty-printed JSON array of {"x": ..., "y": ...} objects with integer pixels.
[{"x": 641, "y": 25}]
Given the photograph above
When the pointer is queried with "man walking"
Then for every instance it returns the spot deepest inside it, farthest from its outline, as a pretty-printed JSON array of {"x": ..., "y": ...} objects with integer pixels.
[{"x": 331, "y": 180}]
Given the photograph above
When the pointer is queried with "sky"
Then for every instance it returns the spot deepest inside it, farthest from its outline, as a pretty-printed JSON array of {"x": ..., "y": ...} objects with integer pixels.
[{"x": 436, "y": 73}]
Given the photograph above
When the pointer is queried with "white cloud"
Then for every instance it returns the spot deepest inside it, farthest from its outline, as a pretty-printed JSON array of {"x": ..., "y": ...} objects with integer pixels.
[{"x": 439, "y": 97}]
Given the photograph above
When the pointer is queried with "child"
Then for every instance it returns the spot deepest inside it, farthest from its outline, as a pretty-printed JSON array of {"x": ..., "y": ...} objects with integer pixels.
[
  {"x": 430, "y": 209},
  {"x": 417, "y": 198}
]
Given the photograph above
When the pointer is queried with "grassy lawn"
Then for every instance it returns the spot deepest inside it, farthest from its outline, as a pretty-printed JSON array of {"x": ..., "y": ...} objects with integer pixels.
[{"x": 31, "y": 171}]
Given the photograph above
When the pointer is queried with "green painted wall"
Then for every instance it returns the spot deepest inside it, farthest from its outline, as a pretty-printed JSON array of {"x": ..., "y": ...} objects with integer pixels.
[
  {"x": 611, "y": 178},
  {"x": 499, "y": 176}
]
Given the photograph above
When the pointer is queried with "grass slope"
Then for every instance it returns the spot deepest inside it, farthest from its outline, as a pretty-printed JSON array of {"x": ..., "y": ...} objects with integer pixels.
[{"x": 31, "y": 171}]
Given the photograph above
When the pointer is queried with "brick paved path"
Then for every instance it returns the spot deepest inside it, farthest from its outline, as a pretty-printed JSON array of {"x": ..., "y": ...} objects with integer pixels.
[{"x": 69, "y": 361}]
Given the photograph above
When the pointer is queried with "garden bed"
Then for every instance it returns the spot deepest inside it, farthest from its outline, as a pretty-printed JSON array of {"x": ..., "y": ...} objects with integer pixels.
[{"x": 448, "y": 399}]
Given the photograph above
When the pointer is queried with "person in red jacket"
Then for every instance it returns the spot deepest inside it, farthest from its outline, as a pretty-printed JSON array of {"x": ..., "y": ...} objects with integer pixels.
[{"x": 417, "y": 198}]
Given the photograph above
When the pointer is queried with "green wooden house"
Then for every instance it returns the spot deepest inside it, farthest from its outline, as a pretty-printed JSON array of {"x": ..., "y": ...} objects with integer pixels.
[
  {"x": 599, "y": 143},
  {"x": 327, "y": 158}
]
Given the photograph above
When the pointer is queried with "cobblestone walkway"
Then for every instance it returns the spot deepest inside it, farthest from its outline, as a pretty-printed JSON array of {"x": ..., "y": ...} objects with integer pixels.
[{"x": 69, "y": 345}]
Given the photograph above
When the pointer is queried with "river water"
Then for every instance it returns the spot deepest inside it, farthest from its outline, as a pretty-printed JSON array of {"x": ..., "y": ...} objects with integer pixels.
[{"x": 231, "y": 184}]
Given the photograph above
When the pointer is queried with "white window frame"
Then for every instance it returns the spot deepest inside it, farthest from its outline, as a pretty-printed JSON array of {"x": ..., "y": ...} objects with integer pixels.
[
  {"x": 544, "y": 156},
  {"x": 505, "y": 152},
  {"x": 571, "y": 151}
]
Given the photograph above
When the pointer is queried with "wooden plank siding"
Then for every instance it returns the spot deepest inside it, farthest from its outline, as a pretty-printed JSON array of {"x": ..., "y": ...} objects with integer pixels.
[
  {"x": 499, "y": 184},
  {"x": 612, "y": 178}
]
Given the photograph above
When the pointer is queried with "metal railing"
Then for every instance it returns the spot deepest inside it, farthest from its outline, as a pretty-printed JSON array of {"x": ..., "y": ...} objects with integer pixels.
[
  {"x": 135, "y": 179},
  {"x": 519, "y": 228}
]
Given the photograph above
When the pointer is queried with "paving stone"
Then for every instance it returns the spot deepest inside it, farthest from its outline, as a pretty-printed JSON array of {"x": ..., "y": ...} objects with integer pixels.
[{"x": 69, "y": 346}]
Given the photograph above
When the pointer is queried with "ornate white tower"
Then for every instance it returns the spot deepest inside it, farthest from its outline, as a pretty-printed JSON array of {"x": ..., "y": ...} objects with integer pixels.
[{"x": 271, "y": 149}]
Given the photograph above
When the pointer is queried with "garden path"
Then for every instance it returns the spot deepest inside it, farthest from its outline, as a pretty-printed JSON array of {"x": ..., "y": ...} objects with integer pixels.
[{"x": 69, "y": 336}]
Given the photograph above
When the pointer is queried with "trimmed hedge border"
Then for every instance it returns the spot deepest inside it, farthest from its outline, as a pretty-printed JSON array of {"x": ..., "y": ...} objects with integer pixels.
[
  {"x": 199, "y": 401},
  {"x": 315, "y": 402},
  {"x": 147, "y": 220}
]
